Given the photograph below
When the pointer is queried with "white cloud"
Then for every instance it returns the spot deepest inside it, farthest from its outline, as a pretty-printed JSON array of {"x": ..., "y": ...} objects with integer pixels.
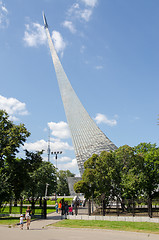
[
  {"x": 72, "y": 165},
  {"x": 70, "y": 26},
  {"x": 77, "y": 12},
  {"x": 13, "y": 107},
  {"x": 4, "y": 9},
  {"x": 58, "y": 42},
  {"x": 90, "y": 3},
  {"x": 64, "y": 159},
  {"x": 86, "y": 14},
  {"x": 36, "y": 146},
  {"x": 60, "y": 146},
  {"x": 101, "y": 118},
  {"x": 60, "y": 129},
  {"x": 39, "y": 145},
  {"x": 13, "y": 118},
  {"x": 34, "y": 35},
  {"x": 4, "y": 21},
  {"x": 73, "y": 10},
  {"x": 65, "y": 163}
]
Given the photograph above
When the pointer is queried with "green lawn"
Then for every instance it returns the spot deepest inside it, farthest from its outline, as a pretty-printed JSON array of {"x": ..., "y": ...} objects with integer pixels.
[
  {"x": 114, "y": 225},
  {"x": 16, "y": 210},
  {"x": 9, "y": 221}
]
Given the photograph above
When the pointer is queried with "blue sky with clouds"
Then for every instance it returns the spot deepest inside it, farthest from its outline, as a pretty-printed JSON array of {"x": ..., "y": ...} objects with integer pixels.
[{"x": 110, "y": 52}]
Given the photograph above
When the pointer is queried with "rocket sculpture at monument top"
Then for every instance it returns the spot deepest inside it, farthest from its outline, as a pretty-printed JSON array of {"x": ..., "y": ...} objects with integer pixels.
[
  {"x": 86, "y": 136},
  {"x": 45, "y": 21}
]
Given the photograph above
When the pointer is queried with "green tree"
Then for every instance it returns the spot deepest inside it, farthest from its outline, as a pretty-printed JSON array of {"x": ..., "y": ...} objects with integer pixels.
[
  {"x": 150, "y": 169},
  {"x": 62, "y": 184},
  {"x": 128, "y": 173},
  {"x": 12, "y": 136},
  {"x": 17, "y": 177},
  {"x": 46, "y": 174},
  {"x": 97, "y": 179},
  {"x": 82, "y": 187},
  {"x": 39, "y": 173},
  {"x": 5, "y": 188}
]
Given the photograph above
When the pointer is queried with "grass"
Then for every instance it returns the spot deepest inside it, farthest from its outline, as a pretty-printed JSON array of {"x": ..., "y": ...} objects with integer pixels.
[
  {"x": 113, "y": 225},
  {"x": 16, "y": 210},
  {"x": 50, "y": 202},
  {"x": 9, "y": 221}
]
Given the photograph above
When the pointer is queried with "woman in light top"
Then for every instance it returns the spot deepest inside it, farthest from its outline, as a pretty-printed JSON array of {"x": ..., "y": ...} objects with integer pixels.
[{"x": 28, "y": 216}]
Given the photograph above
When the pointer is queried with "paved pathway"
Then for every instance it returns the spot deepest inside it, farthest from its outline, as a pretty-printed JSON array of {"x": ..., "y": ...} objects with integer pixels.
[
  {"x": 40, "y": 230},
  {"x": 43, "y": 223}
]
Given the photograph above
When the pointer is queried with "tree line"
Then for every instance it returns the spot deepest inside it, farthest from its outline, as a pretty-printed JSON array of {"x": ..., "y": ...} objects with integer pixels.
[
  {"x": 25, "y": 177},
  {"x": 126, "y": 173}
]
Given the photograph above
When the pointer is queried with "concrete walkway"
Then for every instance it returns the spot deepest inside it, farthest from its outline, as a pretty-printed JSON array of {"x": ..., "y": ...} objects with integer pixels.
[
  {"x": 43, "y": 223},
  {"x": 40, "y": 230}
]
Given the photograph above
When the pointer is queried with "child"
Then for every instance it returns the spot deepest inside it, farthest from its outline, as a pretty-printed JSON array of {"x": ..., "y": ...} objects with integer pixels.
[
  {"x": 21, "y": 221},
  {"x": 70, "y": 210}
]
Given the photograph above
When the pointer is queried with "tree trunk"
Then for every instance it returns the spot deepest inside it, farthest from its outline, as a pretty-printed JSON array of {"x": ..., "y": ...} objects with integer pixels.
[
  {"x": 89, "y": 207},
  {"x": 117, "y": 205},
  {"x": 103, "y": 207},
  {"x": 40, "y": 202},
  {"x": 10, "y": 207},
  {"x": 150, "y": 207},
  {"x": 15, "y": 203},
  {"x": 33, "y": 206},
  {"x": 21, "y": 206},
  {"x": 133, "y": 207},
  {"x": 123, "y": 205},
  {"x": 45, "y": 208}
]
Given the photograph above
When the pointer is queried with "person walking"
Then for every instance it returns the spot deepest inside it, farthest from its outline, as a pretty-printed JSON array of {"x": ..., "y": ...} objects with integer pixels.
[
  {"x": 56, "y": 207},
  {"x": 28, "y": 216},
  {"x": 66, "y": 209},
  {"x": 59, "y": 207},
  {"x": 70, "y": 210}
]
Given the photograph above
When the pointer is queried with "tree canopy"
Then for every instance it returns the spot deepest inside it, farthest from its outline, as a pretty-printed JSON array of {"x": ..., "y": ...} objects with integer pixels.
[
  {"x": 39, "y": 173},
  {"x": 126, "y": 173},
  {"x": 62, "y": 184},
  {"x": 21, "y": 176},
  {"x": 12, "y": 136}
]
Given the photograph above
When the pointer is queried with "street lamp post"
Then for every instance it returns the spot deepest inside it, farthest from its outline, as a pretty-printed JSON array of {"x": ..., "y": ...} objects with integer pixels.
[
  {"x": 46, "y": 190},
  {"x": 56, "y": 153},
  {"x": 90, "y": 185},
  {"x": 45, "y": 202}
]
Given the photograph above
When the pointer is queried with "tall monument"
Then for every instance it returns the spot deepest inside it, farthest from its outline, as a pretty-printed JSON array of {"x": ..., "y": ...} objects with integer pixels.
[{"x": 86, "y": 136}]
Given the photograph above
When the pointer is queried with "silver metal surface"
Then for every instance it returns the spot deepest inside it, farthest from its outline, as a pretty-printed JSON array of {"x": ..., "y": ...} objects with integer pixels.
[{"x": 87, "y": 138}]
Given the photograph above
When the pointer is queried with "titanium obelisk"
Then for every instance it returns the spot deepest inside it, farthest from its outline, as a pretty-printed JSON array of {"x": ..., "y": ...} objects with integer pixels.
[{"x": 87, "y": 138}]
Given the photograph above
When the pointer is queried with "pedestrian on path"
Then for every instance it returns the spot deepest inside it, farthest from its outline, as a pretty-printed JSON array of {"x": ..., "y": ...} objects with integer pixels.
[
  {"x": 56, "y": 207},
  {"x": 28, "y": 216},
  {"x": 66, "y": 209},
  {"x": 59, "y": 206},
  {"x": 70, "y": 210}
]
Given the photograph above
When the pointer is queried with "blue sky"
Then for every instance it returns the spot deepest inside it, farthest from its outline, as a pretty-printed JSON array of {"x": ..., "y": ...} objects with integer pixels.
[{"x": 110, "y": 52}]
